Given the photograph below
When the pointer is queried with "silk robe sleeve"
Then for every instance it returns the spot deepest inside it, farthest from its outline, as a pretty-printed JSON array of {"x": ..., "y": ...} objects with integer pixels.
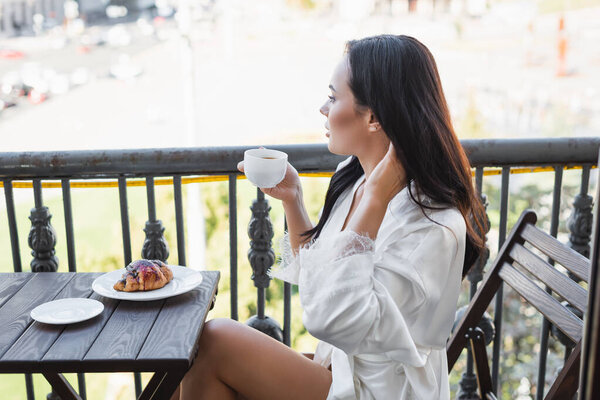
[
  {"x": 363, "y": 303},
  {"x": 288, "y": 270}
]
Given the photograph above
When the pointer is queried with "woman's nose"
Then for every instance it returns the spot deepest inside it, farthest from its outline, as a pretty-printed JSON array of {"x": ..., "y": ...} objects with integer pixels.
[{"x": 324, "y": 109}]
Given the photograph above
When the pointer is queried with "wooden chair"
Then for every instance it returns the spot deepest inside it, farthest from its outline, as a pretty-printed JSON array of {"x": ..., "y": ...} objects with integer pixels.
[{"x": 527, "y": 273}]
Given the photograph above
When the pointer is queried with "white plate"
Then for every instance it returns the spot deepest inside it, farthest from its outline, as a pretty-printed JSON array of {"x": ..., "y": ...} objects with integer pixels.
[
  {"x": 184, "y": 280},
  {"x": 67, "y": 311}
]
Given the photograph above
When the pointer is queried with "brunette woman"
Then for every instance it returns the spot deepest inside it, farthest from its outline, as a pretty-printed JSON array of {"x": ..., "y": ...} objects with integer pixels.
[{"x": 379, "y": 274}]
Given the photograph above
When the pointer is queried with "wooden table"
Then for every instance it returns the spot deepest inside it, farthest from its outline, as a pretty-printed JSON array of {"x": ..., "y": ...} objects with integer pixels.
[{"x": 158, "y": 336}]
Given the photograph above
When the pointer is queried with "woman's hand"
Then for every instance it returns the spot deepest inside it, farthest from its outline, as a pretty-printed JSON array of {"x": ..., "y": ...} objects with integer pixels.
[
  {"x": 387, "y": 179},
  {"x": 288, "y": 190}
]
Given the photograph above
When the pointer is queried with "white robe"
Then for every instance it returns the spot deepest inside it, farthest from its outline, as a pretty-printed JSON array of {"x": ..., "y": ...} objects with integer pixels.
[{"x": 382, "y": 309}]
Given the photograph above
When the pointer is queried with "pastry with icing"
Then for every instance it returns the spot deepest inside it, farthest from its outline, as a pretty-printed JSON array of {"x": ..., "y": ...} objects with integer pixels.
[{"x": 144, "y": 275}]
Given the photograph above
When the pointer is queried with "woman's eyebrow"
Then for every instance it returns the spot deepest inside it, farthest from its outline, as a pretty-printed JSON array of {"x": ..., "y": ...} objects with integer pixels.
[{"x": 332, "y": 88}]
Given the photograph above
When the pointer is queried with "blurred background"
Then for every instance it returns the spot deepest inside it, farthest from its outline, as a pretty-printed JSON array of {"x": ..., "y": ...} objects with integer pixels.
[
  {"x": 107, "y": 74},
  {"x": 168, "y": 73}
]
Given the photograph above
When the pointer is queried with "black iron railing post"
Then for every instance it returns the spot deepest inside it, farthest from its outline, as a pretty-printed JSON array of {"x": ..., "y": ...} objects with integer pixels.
[
  {"x": 42, "y": 240},
  {"x": 581, "y": 219},
  {"x": 42, "y": 236},
  {"x": 233, "y": 243},
  {"x": 262, "y": 257},
  {"x": 12, "y": 225},
  {"x": 155, "y": 246}
]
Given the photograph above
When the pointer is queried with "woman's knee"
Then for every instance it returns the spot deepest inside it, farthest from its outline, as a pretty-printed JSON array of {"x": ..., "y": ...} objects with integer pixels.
[
  {"x": 210, "y": 345},
  {"x": 218, "y": 336},
  {"x": 219, "y": 329}
]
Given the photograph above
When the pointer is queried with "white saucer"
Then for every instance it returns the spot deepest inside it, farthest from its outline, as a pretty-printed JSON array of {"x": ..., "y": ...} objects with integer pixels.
[{"x": 67, "y": 311}]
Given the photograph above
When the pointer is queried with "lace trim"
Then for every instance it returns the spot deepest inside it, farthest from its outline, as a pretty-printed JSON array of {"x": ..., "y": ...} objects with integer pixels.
[
  {"x": 288, "y": 269},
  {"x": 335, "y": 247},
  {"x": 319, "y": 253}
]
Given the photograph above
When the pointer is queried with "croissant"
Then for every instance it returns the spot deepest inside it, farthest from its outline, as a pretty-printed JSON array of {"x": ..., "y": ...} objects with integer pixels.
[{"x": 144, "y": 275}]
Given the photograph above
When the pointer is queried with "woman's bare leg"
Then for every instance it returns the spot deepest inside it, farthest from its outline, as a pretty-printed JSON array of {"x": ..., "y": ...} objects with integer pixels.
[
  {"x": 235, "y": 361},
  {"x": 175, "y": 395}
]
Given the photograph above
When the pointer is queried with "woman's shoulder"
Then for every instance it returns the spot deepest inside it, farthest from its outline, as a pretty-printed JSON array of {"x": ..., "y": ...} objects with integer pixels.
[
  {"x": 405, "y": 217},
  {"x": 407, "y": 203}
]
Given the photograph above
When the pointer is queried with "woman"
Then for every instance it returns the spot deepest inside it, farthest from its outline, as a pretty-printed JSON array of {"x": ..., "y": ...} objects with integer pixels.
[{"x": 379, "y": 275}]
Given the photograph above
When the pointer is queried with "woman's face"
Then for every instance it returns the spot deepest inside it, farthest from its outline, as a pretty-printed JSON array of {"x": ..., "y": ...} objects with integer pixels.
[{"x": 347, "y": 128}]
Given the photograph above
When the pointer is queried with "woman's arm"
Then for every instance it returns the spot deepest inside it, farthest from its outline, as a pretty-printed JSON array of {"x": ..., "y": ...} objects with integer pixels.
[
  {"x": 297, "y": 221},
  {"x": 368, "y": 216}
]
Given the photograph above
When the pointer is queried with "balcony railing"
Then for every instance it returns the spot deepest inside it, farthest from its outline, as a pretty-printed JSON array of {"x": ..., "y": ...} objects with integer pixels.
[{"x": 178, "y": 166}]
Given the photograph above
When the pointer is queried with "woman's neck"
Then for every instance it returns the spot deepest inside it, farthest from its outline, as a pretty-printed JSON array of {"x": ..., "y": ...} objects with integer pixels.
[{"x": 369, "y": 160}]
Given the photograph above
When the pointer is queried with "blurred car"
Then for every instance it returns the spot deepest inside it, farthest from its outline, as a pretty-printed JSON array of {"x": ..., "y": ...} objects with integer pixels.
[{"x": 11, "y": 54}]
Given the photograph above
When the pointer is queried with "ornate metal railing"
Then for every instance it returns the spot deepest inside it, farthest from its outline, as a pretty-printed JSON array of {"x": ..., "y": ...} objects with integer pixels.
[{"x": 120, "y": 168}]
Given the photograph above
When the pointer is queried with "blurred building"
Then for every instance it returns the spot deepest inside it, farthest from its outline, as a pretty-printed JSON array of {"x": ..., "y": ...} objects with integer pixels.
[
  {"x": 17, "y": 16},
  {"x": 26, "y": 17}
]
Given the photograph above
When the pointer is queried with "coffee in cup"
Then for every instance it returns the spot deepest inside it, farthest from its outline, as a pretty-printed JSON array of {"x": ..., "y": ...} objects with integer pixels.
[{"x": 265, "y": 168}]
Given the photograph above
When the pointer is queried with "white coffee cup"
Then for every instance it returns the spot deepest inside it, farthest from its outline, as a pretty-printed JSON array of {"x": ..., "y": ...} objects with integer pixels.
[{"x": 265, "y": 168}]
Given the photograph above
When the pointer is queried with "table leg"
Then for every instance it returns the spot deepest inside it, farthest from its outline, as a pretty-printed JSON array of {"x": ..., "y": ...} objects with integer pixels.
[
  {"x": 61, "y": 386},
  {"x": 162, "y": 385},
  {"x": 152, "y": 385}
]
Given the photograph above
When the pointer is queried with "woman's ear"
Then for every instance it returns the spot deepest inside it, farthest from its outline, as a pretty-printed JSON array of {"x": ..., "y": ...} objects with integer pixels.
[{"x": 374, "y": 125}]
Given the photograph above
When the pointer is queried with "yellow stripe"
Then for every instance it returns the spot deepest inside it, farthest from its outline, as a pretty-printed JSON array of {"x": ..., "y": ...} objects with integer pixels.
[{"x": 221, "y": 178}]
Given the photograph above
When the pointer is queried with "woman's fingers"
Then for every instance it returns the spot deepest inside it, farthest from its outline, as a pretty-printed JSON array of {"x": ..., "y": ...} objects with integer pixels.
[
  {"x": 398, "y": 165},
  {"x": 240, "y": 166}
]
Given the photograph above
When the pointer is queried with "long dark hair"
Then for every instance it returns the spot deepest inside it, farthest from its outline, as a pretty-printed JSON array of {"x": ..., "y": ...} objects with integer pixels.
[{"x": 396, "y": 77}]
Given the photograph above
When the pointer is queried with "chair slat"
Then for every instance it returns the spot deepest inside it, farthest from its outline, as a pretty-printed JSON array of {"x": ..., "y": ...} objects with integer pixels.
[
  {"x": 564, "y": 320},
  {"x": 567, "y": 257},
  {"x": 558, "y": 282}
]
